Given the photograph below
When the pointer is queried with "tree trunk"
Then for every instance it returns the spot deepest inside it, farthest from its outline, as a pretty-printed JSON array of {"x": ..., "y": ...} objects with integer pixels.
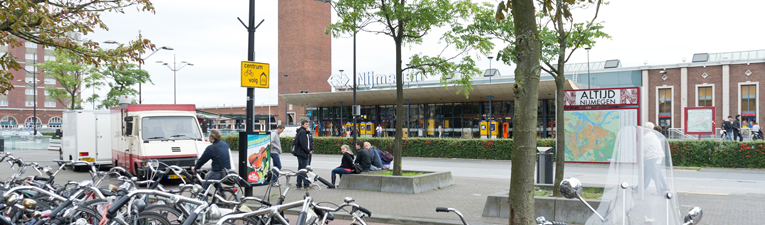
[
  {"x": 527, "y": 50},
  {"x": 560, "y": 80},
  {"x": 399, "y": 108}
]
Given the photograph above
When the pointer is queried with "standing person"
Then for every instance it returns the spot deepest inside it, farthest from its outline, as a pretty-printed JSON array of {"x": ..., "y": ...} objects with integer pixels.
[
  {"x": 653, "y": 154},
  {"x": 737, "y": 129},
  {"x": 362, "y": 157},
  {"x": 376, "y": 161},
  {"x": 346, "y": 164},
  {"x": 379, "y": 131},
  {"x": 303, "y": 151},
  {"x": 727, "y": 126},
  {"x": 218, "y": 153},
  {"x": 440, "y": 131},
  {"x": 276, "y": 150}
]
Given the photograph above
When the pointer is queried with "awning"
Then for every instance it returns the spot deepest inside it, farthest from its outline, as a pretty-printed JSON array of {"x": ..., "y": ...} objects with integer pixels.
[{"x": 420, "y": 95}]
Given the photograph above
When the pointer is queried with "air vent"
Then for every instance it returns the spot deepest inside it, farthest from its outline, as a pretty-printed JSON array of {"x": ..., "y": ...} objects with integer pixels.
[
  {"x": 614, "y": 63},
  {"x": 176, "y": 149}
]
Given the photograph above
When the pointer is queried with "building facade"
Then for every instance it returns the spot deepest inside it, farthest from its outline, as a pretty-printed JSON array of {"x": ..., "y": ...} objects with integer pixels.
[{"x": 17, "y": 106}]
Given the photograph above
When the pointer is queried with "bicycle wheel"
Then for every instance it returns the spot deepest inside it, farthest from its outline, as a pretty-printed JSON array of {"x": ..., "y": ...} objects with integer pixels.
[
  {"x": 172, "y": 214},
  {"x": 151, "y": 218},
  {"x": 228, "y": 194},
  {"x": 86, "y": 213},
  {"x": 245, "y": 221}
]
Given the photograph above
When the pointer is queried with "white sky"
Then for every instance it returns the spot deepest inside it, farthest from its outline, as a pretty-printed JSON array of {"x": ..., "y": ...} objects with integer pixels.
[{"x": 209, "y": 36}]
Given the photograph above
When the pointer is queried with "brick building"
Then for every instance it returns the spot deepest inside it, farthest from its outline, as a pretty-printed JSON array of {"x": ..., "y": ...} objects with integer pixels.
[{"x": 17, "y": 106}]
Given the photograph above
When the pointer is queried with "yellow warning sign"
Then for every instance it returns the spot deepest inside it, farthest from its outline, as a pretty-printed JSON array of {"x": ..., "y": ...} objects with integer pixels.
[{"x": 255, "y": 74}]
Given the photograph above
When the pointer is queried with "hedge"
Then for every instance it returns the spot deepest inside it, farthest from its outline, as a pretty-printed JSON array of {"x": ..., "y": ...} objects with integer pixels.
[
  {"x": 689, "y": 153},
  {"x": 52, "y": 134}
]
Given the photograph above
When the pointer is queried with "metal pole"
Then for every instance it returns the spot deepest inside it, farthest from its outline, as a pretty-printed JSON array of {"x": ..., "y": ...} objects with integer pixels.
[
  {"x": 354, "y": 132},
  {"x": 175, "y": 92},
  {"x": 34, "y": 91},
  {"x": 286, "y": 117},
  {"x": 139, "y": 68},
  {"x": 250, "y": 91},
  {"x": 341, "y": 124},
  {"x": 490, "y": 123},
  {"x": 588, "y": 68}
]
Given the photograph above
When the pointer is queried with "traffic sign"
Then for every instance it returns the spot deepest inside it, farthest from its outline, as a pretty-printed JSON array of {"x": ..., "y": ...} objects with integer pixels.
[{"x": 255, "y": 74}]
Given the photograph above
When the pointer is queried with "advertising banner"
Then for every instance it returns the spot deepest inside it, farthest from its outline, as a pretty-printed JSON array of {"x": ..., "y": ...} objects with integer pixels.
[
  {"x": 602, "y": 97},
  {"x": 255, "y": 149}
]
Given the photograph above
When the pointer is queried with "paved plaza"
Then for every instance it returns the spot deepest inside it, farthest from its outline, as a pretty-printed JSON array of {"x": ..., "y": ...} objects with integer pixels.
[{"x": 728, "y": 196}]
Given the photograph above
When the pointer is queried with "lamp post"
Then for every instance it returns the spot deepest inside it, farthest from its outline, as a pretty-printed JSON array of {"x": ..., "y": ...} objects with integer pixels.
[
  {"x": 286, "y": 117},
  {"x": 33, "y": 84},
  {"x": 341, "y": 121},
  {"x": 489, "y": 115},
  {"x": 491, "y": 73},
  {"x": 588, "y": 66},
  {"x": 175, "y": 68},
  {"x": 141, "y": 63}
]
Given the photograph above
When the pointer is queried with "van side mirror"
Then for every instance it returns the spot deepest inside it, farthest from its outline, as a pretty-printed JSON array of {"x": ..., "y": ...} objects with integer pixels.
[
  {"x": 128, "y": 128},
  {"x": 129, "y": 119}
]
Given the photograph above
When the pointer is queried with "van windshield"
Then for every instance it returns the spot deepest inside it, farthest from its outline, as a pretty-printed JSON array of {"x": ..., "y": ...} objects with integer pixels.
[{"x": 169, "y": 128}]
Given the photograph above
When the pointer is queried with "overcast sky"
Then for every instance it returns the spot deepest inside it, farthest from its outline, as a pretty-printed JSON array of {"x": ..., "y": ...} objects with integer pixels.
[{"x": 207, "y": 34}]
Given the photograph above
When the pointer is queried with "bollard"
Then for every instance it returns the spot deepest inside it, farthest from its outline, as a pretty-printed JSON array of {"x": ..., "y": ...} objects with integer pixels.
[{"x": 544, "y": 165}]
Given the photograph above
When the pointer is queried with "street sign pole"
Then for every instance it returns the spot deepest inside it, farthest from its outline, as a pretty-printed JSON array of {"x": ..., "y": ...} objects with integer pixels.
[{"x": 250, "y": 91}]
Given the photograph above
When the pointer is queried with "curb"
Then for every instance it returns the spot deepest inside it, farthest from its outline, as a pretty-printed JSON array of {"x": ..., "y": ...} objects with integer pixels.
[{"x": 377, "y": 218}]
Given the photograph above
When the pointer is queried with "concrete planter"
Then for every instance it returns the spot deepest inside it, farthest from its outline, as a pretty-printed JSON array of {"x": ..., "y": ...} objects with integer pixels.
[
  {"x": 372, "y": 181},
  {"x": 552, "y": 208}
]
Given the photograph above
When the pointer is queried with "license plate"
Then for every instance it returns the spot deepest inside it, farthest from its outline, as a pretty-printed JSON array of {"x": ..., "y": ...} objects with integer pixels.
[
  {"x": 175, "y": 176},
  {"x": 87, "y": 159}
]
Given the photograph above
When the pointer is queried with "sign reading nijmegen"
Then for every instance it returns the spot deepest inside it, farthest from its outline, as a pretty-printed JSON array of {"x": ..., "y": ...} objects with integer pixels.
[{"x": 602, "y": 97}]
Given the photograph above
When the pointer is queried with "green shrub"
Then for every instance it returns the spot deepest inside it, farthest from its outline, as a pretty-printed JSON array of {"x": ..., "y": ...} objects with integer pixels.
[
  {"x": 52, "y": 134},
  {"x": 684, "y": 153}
]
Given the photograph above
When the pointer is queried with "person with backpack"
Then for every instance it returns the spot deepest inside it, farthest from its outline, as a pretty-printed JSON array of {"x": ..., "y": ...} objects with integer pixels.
[
  {"x": 302, "y": 149},
  {"x": 218, "y": 152},
  {"x": 376, "y": 161},
  {"x": 386, "y": 158},
  {"x": 727, "y": 126}
]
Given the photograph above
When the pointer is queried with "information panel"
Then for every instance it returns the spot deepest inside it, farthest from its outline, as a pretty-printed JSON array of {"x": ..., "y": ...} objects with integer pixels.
[
  {"x": 591, "y": 133},
  {"x": 255, "y": 156}
]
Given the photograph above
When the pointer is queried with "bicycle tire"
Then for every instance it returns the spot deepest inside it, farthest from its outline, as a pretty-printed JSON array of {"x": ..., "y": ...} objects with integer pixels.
[
  {"x": 144, "y": 217},
  {"x": 245, "y": 221},
  {"x": 171, "y": 214},
  {"x": 90, "y": 215}
]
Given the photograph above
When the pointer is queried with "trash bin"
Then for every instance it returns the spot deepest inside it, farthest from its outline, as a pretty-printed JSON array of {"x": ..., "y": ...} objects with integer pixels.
[
  {"x": 544, "y": 165},
  {"x": 58, "y": 133},
  {"x": 2, "y": 145}
]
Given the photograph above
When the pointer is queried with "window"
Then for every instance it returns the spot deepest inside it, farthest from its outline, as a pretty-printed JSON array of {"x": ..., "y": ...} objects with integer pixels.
[
  {"x": 30, "y": 44},
  {"x": 28, "y": 79},
  {"x": 29, "y": 91},
  {"x": 3, "y": 103},
  {"x": 748, "y": 99},
  {"x": 29, "y": 103},
  {"x": 55, "y": 122},
  {"x": 169, "y": 128},
  {"x": 30, "y": 56},
  {"x": 50, "y": 104},
  {"x": 705, "y": 96},
  {"x": 665, "y": 100},
  {"x": 47, "y": 93},
  {"x": 50, "y": 81}
]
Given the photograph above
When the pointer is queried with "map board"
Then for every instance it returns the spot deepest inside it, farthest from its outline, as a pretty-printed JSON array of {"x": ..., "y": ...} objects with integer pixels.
[
  {"x": 700, "y": 120},
  {"x": 591, "y": 133}
]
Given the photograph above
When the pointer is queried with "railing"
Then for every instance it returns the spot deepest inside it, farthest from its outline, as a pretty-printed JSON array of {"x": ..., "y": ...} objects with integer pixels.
[
  {"x": 679, "y": 134},
  {"x": 25, "y": 142}
]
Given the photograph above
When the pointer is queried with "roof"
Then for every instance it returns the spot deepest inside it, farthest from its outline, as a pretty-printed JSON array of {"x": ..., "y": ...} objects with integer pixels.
[
  {"x": 501, "y": 91},
  {"x": 155, "y": 107}
]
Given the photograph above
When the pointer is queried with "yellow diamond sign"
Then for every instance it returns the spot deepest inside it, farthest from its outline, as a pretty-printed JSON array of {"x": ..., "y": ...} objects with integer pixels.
[{"x": 255, "y": 74}]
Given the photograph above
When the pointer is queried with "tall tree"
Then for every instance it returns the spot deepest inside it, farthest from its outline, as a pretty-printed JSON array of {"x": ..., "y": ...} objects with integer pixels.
[
  {"x": 407, "y": 23},
  {"x": 52, "y": 23},
  {"x": 71, "y": 73},
  {"x": 119, "y": 81},
  {"x": 565, "y": 34}
]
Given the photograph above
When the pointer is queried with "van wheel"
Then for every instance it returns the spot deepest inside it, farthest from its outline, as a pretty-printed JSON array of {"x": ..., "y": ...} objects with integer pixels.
[{"x": 79, "y": 168}]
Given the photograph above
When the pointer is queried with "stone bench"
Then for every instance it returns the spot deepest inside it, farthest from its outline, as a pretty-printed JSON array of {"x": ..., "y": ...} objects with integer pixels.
[
  {"x": 372, "y": 181},
  {"x": 552, "y": 208}
]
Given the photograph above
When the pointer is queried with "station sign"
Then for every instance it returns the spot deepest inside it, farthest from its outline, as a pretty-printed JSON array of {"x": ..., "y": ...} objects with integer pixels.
[
  {"x": 255, "y": 74},
  {"x": 602, "y": 97}
]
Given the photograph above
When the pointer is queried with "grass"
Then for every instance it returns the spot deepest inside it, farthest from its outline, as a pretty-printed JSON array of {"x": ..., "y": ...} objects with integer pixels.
[
  {"x": 587, "y": 193},
  {"x": 405, "y": 174}
]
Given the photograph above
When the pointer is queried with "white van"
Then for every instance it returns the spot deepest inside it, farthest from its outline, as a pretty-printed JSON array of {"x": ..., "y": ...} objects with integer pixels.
[{"x": 86, "y": 137}]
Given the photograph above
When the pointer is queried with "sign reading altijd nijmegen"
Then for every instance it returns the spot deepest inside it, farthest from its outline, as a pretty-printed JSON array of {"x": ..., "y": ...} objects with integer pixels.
[{"x": 602, "y": 97}]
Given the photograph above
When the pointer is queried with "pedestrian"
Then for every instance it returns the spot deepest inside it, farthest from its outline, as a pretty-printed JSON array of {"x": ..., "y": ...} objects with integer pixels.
[
  {"x": 379, "y": 131},
  {"x": 440, "y": 132},
  {"x": 728, "y": 128},
  {"x": 362, "y": 157},
  {"x": 218, "y": 152},
  {"x": 756, "y": 129},
  {"x": 737, "y": 129},
  {"x": 303, "y": 151},
  {"x": 346, "y": 164},
  {"x": 276, "y": 151},
  {"x": 653, "y": 153},
  {"x": 375, "y": 154}
]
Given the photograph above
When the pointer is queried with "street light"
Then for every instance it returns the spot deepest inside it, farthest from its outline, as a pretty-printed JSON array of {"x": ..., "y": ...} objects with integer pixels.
[
  {"x": 139, "y": 63},
  {"x": 286, "y": 117},
  {"x": 33, "y": 84},
  {"x": 342, "y": 126},
  {"x": 408, "y": 116},
  {"x": 175, "y": 69},
  {"x": 588, "y": 66},
  {"x": 491, "y": 73},
  {"x": 489, "y": 115}
]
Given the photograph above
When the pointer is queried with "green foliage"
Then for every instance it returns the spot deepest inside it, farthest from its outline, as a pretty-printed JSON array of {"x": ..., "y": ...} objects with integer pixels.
[
  {"x": 715, "y": 154},
  {"x": 52, "y": 134},
  {"x": 50, "y": 23},
  {"x": 71, "y": 73},
  {"x": 119, "y": 81}
]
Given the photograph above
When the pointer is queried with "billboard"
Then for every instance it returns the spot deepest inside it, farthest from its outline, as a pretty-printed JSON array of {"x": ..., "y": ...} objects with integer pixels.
[{"x": 255, "y": 149}]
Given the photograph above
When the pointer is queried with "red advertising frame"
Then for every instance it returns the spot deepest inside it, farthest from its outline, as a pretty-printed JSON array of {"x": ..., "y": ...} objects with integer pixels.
[
  {"x": 599, "y": 89},
  {"x": 714, "y": 123},
  {"x": 623, "y": 108}
]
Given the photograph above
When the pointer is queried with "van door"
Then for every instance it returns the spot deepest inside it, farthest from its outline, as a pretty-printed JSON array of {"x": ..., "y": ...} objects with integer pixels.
[{"x": 103, "y": 140}]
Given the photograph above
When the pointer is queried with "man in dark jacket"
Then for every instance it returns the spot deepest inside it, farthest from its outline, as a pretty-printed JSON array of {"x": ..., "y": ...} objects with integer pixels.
[
  {"x": 727, "y": 126},
  {"x": 218, "y": 153},
  {"x": 303, "y": 151},
  {"x": 363, "y": 158},
  {"x": 737, "y": 129}
]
